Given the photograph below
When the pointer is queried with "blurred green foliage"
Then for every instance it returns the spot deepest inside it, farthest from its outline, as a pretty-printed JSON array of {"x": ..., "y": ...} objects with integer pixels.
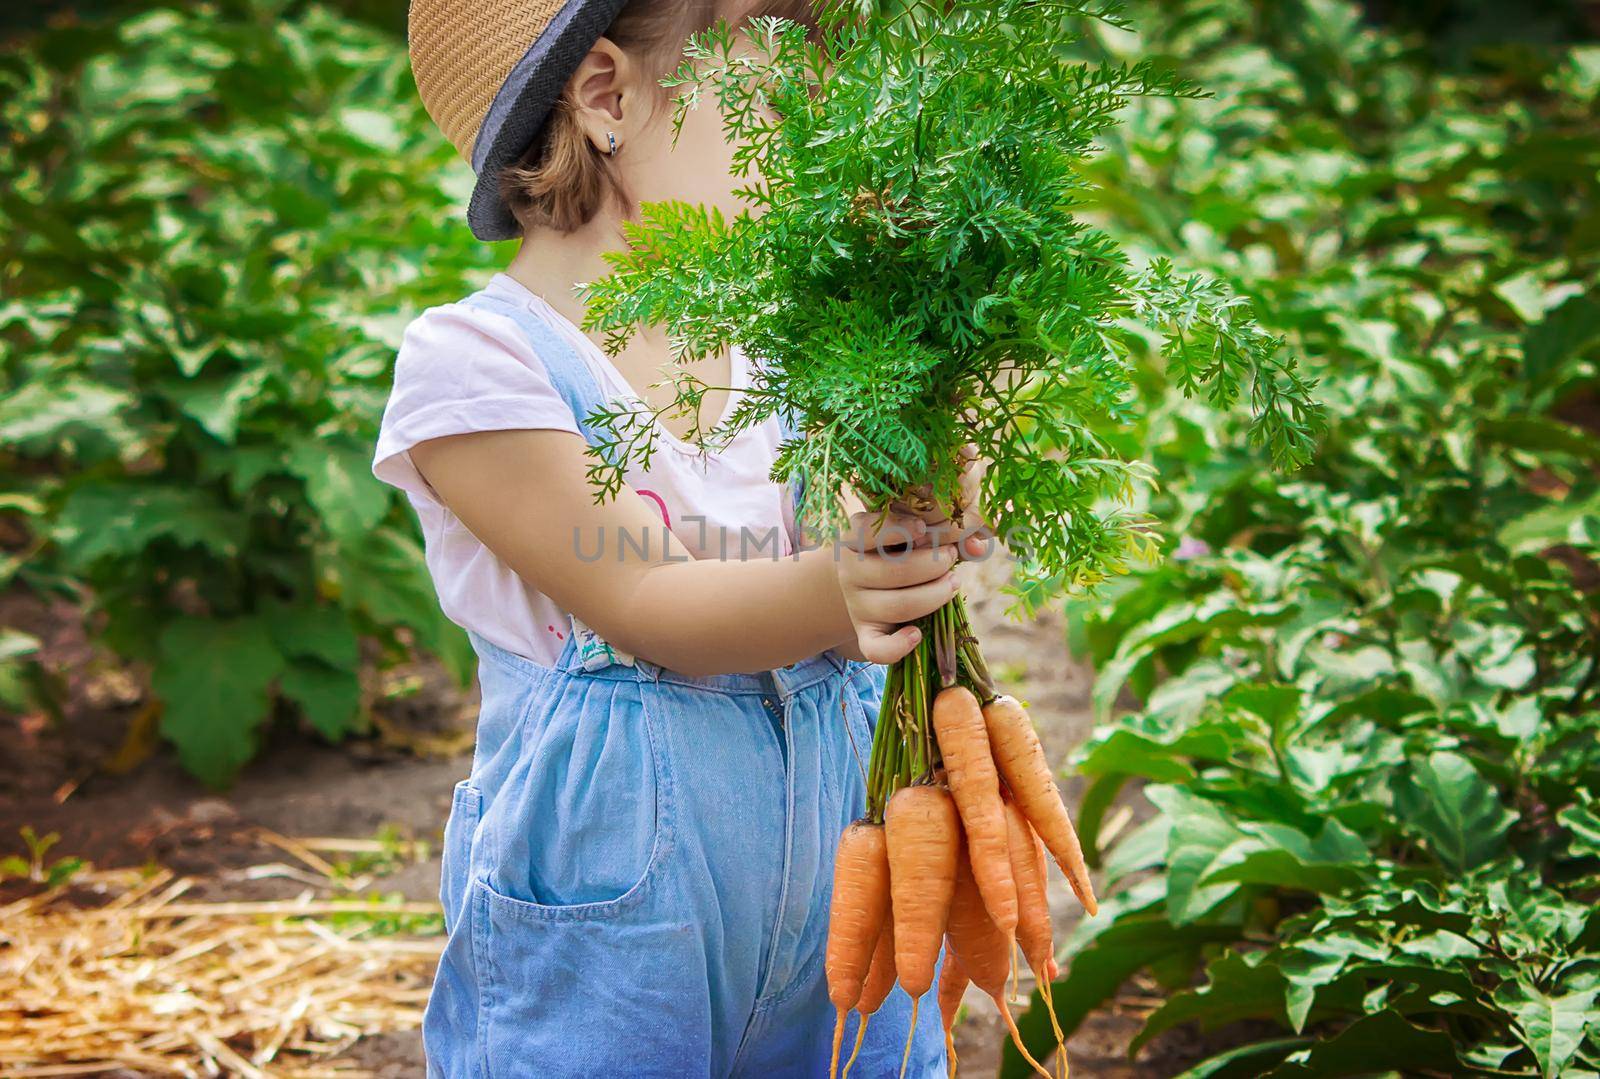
[
  {"x": 386, "y": 15},
  {"x": 213, "y": 228},
  {"x": 1368, "y": 710},
  {"x": 1461, "y": 32}
]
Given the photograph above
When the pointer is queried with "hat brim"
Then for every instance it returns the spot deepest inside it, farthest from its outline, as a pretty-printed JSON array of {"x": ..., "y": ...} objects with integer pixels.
[{"x": 517, "y": 115}]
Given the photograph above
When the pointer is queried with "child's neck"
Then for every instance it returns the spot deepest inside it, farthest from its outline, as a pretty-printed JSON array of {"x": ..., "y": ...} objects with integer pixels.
[{"x": 550, "y": 264}]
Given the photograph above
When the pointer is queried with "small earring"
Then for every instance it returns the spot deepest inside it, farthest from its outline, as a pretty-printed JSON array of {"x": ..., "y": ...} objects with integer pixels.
[{"x": 611, "y": 144}]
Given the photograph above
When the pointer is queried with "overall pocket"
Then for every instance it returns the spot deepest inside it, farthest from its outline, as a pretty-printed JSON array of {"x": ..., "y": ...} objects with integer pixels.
[
  {"x": 582, "y": 821},
  {"x": 577, "y": 934}
]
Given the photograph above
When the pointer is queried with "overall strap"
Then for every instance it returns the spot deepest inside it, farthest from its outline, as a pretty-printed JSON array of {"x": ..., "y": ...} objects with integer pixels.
[
  {"x": 790, "y": 430},
  {"x": 570, "y": 376}
]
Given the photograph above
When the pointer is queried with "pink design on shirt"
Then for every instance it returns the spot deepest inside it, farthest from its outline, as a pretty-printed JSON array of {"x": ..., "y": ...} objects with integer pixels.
[{"x": 666, "y": 518}]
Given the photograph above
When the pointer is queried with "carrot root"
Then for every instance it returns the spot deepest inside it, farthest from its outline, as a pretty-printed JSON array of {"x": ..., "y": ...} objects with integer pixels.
[
  {"x": 1016, "y": 1039},
  {"x": 881, "y": 974},
  {"x": 953, "y": 984},
  {"x": 1016, "y": 970},
  {"x": 1055, "y": 1028},
  {"x": 924, "y": 836},
  {"x": 838, "y": 1043},
  {"x": 974, "y": 781},
  {"x": 905, "y": 1058},
  {"x": 1022, "y": 764},
  {"x": 857, "y": 910},
  {"x": 861, "y": 1033}
]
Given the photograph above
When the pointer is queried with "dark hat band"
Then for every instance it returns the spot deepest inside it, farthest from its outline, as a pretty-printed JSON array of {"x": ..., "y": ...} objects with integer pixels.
[{"x": 517, "y": 116}]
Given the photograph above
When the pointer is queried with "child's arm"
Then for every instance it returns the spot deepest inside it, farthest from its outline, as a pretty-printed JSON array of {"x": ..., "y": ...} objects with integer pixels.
[{"x": 526, "y": 496}]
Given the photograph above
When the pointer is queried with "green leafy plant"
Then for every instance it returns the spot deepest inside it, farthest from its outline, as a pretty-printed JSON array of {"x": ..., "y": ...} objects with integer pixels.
[
  {"x": 386, "y": 914},
  {"x": 913, "y": 274},
  {"x": 213, "y": 225},
  {"x": 389, "y": 851},
  {"x": 35, "y": 868},
  {"x": 1367, "y": 699}
]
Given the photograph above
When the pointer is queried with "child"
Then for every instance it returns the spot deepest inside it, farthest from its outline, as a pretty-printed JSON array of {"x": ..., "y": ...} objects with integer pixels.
[{"x": 637, "y": 871}]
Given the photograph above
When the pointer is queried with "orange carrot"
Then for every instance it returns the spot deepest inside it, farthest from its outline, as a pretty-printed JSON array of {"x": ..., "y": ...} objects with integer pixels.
[
  {"x": 1034, "y": 933},
  {"x": 953, "y": 982},
  {"x": 1022, "y": 762},
  {"x": 984, "y": 951},
  {"x": 855, "y": 917},
  {"x": 975, "y": 785},
  {"x": 880, "y": 978},
  {"x": 878, "y": 986},
  {"x": 924, "y": 833}
]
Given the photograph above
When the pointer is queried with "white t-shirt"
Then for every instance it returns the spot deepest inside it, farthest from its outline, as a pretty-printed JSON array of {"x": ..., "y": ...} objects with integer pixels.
[{"x": 462, "y": 369}]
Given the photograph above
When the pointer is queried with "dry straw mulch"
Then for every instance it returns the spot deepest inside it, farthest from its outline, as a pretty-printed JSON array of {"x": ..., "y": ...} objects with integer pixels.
[{"x": 146, "y": 982}]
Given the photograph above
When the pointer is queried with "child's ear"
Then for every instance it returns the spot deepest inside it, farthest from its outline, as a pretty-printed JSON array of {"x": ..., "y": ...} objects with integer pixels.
[{"x": 606, "y": 95}]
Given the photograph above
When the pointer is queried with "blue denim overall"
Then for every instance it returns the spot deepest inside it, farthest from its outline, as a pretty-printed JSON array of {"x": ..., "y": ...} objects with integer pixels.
[{"x": 637, "y": 872}]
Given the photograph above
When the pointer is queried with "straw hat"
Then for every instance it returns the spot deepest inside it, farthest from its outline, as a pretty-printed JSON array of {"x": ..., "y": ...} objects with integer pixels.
[{"x": 489, "y": 72}]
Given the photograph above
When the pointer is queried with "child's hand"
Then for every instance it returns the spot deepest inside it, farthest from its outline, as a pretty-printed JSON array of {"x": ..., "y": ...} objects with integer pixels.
[
  {"x": 888, "y": 580},
  {"x": 920, "y": 504}
]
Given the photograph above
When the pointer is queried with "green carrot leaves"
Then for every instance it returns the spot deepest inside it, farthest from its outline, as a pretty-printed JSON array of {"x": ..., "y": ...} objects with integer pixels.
[{"x": 914, "y": 272}]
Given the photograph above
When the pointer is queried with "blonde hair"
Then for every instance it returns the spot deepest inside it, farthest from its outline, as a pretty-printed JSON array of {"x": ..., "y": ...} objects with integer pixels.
[{"x": 562, "y": 180}]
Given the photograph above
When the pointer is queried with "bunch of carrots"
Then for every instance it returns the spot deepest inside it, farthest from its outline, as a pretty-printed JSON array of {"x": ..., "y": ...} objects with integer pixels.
[{"x": 951, "y": 854}]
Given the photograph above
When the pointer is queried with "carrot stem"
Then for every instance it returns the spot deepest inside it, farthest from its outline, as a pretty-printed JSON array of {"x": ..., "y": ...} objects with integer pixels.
[
  {"x": 883, "y": 739},
  {"x": 904, "y": 750},
  {"x": 945, "y": 644}
]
